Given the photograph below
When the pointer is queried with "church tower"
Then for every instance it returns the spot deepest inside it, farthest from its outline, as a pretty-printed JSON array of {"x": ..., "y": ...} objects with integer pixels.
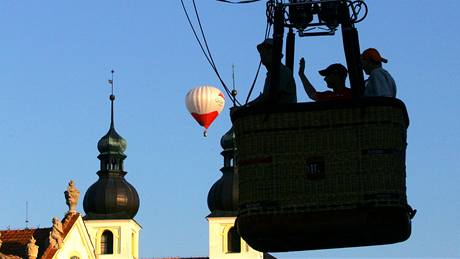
[
  {"x": 111, "y": 203},
  {"x": 224, "y": 240}
]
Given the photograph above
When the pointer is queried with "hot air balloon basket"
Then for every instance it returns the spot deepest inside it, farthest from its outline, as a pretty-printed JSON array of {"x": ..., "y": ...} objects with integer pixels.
[{"x": 321, "y": 156}]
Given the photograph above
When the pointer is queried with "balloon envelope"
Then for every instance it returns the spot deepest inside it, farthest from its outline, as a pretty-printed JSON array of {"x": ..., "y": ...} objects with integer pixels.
[{"x": 204, "y": 103}]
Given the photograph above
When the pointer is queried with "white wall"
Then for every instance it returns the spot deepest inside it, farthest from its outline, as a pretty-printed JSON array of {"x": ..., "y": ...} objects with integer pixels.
[
  {"x": 125, "y": 237},
  {"x": 76, "y": 243},
  {"x": 218, "y": 230}
]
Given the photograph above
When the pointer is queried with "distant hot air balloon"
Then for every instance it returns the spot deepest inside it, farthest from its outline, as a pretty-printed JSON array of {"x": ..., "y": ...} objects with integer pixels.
[{"x": 205, "y": 103}]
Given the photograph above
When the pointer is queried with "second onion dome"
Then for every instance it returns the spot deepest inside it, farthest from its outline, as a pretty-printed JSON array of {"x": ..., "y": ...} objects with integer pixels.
[{"x": 223, "y": 195}]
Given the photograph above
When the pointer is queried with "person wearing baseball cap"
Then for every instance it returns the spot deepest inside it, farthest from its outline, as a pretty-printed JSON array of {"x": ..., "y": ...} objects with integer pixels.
[
  {"x": 285, "y": 91},
  {"x": 379, "y": 82},
  {"x": 334, "y": 75}
]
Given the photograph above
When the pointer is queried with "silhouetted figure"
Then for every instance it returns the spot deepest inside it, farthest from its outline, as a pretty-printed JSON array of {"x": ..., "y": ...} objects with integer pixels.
[
  {"x": 334, "y": 75},
  {"x": 285, "y": 91},
  {"x": 379, "y": 82}
]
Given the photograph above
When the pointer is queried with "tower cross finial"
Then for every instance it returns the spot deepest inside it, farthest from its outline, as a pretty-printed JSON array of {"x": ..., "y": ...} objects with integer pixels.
[
  {"x": 112, "y": 98},
  {"x": 111, "y": 81}
]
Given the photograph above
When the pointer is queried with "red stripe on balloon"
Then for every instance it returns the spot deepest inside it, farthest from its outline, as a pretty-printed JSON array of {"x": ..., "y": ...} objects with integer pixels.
[{"x": 205, "y": 119}]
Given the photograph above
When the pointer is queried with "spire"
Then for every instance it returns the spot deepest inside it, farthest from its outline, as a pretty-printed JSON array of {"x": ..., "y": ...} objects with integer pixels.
[
  {"x": 112, "y": 99},
  {"x": 112, "y": 142},
  {"x": 111, "y": 197}
]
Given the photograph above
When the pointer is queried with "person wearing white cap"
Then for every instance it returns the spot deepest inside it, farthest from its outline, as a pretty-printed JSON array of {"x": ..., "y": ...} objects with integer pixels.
[
  {"x": 379, "y": 82},
  {"x": 285, "y": 91}
]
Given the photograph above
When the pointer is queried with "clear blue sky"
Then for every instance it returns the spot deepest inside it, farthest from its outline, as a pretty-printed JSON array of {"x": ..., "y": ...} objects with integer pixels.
[{"x": 56, "y": 57}]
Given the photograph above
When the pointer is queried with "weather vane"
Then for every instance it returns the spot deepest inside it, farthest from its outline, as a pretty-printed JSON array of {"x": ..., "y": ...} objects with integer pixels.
[
  {"x": 112, "y": 98},
  {"x": 111, "y": 84}
]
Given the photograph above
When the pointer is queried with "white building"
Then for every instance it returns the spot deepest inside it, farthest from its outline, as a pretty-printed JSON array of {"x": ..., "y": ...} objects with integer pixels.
[{"x": 108, "y": 230}]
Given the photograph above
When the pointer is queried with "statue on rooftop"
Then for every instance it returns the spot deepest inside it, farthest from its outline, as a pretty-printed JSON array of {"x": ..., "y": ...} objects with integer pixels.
[
  {"x": 56, "y": 233},
  {"x": 32, "y": 249},
  {"x": 71, "y": 195}
]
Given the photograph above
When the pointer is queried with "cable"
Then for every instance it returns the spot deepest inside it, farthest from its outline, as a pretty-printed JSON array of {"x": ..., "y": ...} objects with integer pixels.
[
  {"x": 206, "y": 52},
  {"x": 202, "y": 34},
  {"x": 194, "y": 33},
  {"x": 267, "y": 32},
  {"x": 253, "y": 83},
  {"x": 213, "y": 64},
  {"x": 210, "y": 55}
]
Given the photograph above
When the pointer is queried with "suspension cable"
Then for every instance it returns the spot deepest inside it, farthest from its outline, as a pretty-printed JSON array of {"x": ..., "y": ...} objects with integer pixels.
[
  {"x": 267, "y": 32},
  {"x": 206, "y": 51},
  {"x": 195, "y": 34}
]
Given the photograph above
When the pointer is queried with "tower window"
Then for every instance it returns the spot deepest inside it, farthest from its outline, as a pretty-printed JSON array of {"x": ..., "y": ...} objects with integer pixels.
[
  {"x": 107, "y": 242},
  {"x": 233, "y": 241}
]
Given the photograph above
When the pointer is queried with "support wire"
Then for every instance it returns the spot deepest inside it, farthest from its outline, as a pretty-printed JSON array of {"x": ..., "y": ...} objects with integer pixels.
[{"x": 206, "y": 52}]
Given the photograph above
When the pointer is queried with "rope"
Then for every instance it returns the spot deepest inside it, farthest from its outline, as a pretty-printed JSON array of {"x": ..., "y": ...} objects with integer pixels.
[
  {"x": 267, "y": 32},
  {"x": 207, "y": 52}
]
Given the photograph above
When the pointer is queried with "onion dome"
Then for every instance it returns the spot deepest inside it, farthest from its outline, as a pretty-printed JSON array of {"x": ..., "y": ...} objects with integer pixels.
[
  {"x": 223, "y": 195},
  {"x": 111, "y": 197},
  {"x": 228, "y": 140},
  {"x": 112, "y": 143}
]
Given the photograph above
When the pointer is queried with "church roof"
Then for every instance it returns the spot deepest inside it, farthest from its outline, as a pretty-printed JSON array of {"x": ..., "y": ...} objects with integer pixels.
[{"x": 14, "y": 242}]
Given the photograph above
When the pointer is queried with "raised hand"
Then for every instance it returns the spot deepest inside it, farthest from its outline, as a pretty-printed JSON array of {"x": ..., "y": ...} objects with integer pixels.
[{"x": 301, "y": 66}]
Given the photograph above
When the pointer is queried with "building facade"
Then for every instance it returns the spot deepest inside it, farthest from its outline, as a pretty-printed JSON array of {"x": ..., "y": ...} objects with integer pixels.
[{"x": 107, "y": 231}]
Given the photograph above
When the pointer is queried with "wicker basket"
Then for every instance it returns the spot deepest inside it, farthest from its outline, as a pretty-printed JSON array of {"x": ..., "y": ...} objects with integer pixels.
[{"x": 302, "y": 159}]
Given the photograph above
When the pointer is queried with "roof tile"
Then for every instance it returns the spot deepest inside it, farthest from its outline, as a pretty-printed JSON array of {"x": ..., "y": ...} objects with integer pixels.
[{"x": 15, "y": 241}]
